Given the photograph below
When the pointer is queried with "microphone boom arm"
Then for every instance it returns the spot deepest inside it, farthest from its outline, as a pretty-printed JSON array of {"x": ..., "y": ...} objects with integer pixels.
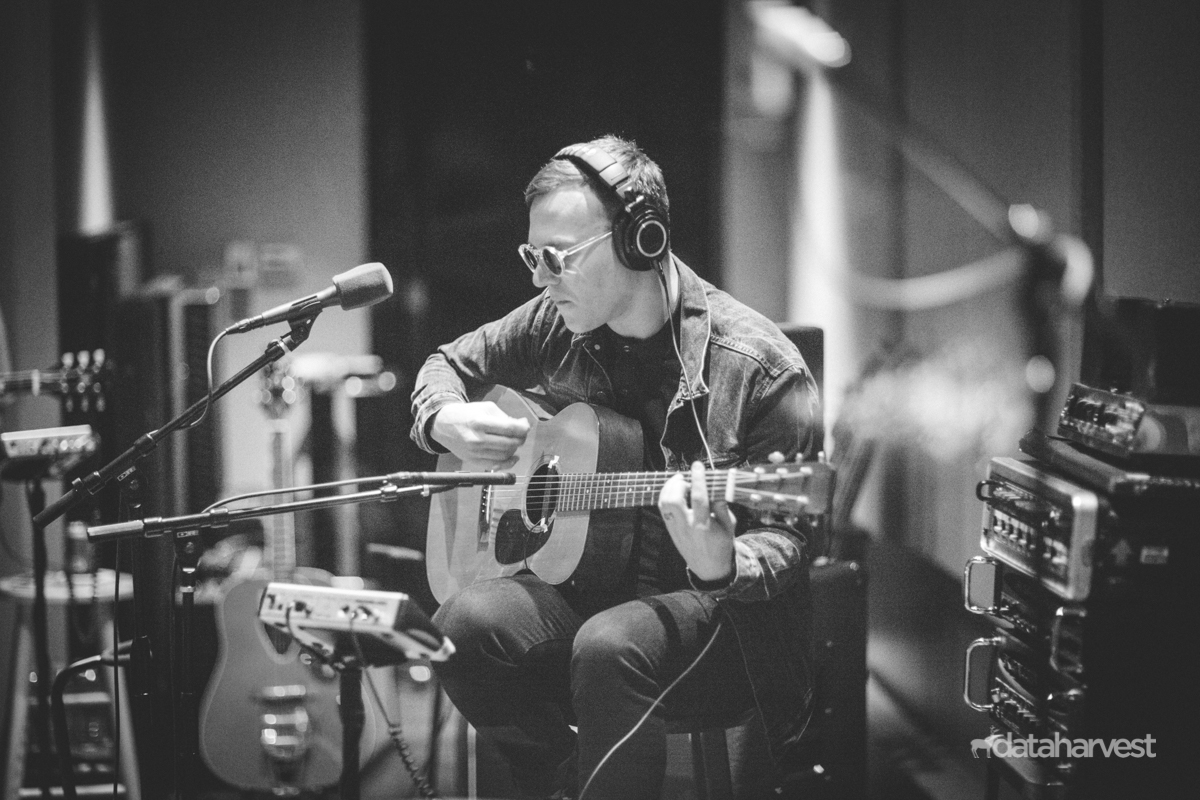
[{"x": 216, "y": 516}]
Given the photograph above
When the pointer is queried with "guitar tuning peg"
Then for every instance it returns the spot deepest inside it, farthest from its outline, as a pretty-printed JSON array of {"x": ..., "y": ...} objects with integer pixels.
[
  {"x": 85, "y": 358},
  {"x": 68, "y": 360},
  {"x": 98, "y": 356}
]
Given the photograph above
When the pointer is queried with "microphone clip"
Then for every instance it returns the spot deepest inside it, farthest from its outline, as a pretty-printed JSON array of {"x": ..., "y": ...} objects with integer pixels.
[
  {"x": 300, "y": 327},
  {"x": 303, "y": 311}
]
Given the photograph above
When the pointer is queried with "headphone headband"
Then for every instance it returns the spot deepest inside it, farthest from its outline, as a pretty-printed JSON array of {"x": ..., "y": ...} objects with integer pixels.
[{"x": 600, "y": 164}]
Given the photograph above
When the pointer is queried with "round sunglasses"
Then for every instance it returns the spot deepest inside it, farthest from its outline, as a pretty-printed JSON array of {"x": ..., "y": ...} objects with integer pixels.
[{"x": 555, "y": 260}]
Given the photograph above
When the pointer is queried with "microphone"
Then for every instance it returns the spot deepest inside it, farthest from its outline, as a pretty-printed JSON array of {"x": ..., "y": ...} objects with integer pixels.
[{"x": 364, "y": 285}]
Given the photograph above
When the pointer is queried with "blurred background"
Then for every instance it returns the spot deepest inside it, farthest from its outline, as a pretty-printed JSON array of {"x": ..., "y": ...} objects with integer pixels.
[{"x": 167, "y": 168}]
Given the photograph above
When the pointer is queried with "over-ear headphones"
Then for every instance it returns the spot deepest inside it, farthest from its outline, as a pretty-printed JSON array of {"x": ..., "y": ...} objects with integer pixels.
[{"x": 641, "y": 231}]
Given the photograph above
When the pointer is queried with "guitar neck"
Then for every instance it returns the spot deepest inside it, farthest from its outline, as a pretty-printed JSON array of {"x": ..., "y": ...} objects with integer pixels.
[
  {"x": 280, "y": 532},
  {"x": 588, "y": 492},
  {"x": 34, "y": 382}
]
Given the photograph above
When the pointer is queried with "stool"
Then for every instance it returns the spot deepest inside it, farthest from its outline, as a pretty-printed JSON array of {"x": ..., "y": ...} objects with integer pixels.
[
  {"x": 711, "y": 776},
  {"x": 21, "y": 668}
]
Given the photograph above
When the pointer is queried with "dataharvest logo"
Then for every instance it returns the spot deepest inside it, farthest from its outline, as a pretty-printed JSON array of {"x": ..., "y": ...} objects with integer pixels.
[{"x": 1060, "y": 747}]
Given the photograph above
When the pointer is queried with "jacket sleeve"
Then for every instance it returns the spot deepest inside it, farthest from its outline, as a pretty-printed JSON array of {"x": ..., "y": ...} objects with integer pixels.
[
  {"x": 767, "y": 558},
  {"x": 500, "y": 352}
]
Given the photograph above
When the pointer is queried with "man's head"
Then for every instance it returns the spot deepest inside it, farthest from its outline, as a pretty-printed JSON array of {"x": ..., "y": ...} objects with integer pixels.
[
  {"x": 569, "y": 204},
  {"x": 645, "y": 176},
  {"x": 629, "y": 185}
]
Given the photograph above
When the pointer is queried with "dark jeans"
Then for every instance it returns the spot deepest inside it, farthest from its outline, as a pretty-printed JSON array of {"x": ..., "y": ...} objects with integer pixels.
[{"x": 528, "y": 666}]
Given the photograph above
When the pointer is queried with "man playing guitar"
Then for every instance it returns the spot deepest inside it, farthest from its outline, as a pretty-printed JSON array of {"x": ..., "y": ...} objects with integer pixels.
[{"x": 690, "y": 581}]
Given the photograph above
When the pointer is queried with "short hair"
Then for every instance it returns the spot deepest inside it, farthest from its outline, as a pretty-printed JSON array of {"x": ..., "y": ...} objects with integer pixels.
[{"x": 645, "y": 176}]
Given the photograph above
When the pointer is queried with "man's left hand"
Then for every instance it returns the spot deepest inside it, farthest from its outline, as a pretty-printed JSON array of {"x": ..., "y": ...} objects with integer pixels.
[{"x": 702, "y": 529}]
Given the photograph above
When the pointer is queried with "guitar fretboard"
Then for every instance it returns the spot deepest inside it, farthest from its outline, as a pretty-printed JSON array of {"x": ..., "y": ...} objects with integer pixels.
[
  {"x": 587, "y": 492},
  {"x": 37, "y": 381},
  {"x": 280, "y": 551}
]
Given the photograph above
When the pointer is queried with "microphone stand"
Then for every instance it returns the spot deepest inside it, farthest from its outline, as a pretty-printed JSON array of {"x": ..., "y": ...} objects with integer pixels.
[
  {"x": 351, "y": 709},
  {"x": 123, "y": 468}
]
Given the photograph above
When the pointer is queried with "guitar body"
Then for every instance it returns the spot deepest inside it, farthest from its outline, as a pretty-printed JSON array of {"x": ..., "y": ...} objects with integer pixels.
[
  {"x": 476, "y": 533},
  {"x": 268, "y": 719},
  {"x": 569, "y": 514}
]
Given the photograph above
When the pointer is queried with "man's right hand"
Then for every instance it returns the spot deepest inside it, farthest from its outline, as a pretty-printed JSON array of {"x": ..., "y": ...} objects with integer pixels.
[{"x": 478, "y": 432}]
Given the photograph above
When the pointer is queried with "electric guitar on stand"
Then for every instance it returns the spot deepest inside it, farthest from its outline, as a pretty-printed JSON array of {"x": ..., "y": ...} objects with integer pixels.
[
  {"x": 269, "y": 719},
  {"x": 570, "y": 491}
]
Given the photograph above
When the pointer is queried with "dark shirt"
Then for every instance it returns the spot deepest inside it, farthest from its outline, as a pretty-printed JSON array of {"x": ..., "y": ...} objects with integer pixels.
[{"x": 645, "y": 376}]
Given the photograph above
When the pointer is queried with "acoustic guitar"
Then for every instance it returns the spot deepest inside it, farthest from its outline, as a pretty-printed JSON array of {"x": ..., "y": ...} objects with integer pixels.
[
  {"x": 570, "y": 478},
  {"x": 269, "y": 719}
]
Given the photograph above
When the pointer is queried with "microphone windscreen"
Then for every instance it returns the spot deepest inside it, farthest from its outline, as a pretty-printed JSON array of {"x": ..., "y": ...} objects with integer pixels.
[{"x": 364, "y": 285}]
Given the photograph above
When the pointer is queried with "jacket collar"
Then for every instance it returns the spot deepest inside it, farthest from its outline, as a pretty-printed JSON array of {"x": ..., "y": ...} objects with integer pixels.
[{"x": 696, "y": 329}]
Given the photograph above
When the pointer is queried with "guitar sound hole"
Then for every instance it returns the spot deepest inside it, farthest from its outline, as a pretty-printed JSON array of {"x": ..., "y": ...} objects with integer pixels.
[
  {"x": 516, "y": 539},
  {"x": 541, "y": 498}
]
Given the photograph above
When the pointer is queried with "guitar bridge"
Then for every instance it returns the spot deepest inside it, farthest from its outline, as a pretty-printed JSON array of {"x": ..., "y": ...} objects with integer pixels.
[{"x": 485, "y": 519}]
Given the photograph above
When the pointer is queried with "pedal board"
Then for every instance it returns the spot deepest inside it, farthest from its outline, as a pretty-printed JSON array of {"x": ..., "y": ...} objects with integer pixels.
[{"x": 379, "y": 627}]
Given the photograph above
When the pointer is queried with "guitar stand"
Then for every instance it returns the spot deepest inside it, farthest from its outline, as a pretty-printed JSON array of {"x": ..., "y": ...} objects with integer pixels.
[
  {"x": 187, "y": 710},
  {"x": 36, "y": 497},
  {"x": 62, "y": 741},
  {"x": 353, "y": 715}
]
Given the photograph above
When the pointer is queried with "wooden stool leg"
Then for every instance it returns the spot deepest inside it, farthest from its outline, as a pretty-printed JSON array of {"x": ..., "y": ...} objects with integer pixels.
[
  {"x": 18, "y": 704},
  {"x": 710, "y": 765}
]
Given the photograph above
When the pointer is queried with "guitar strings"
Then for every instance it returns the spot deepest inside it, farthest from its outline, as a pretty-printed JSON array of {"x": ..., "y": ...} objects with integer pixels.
[{"x": 578, "y": 481}]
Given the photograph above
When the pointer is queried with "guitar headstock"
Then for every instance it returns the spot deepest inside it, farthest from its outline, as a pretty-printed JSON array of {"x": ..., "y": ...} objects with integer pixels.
[
  {"x": 785, "y": 491},
  {"x": 81, "y": 381},
  {"x": 278, "y": 392}
]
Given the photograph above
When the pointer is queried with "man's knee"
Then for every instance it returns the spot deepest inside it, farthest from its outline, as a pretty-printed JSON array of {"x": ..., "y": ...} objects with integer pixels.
[
  {"x": 469, "y": 618},
  {"x": 604, "y": 643}
]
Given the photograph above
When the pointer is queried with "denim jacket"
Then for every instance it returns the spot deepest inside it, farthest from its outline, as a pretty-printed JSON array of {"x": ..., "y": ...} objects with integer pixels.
[{"x": 755, "y": 395}]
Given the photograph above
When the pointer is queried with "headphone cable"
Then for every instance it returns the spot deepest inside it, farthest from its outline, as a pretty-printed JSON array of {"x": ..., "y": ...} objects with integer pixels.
[{"x": 687, "y": 381}]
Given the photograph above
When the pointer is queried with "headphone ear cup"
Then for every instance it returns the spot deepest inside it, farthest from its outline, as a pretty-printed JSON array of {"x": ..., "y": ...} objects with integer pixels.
[{"x": 642, "y": 235}]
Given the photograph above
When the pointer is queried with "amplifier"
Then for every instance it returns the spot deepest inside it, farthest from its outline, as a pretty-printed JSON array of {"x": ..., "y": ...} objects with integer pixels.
[
  {"x": 45, "y": 451},
  {"x": 378, "y": 628},
  {"x": 1078, "y": 542},
  {"x": 1025, "y": 696},
  {"x": 1022, "y": 608},
  {"x": 1040, "y": 525},
  {"x": 1123, "y": 426}
]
